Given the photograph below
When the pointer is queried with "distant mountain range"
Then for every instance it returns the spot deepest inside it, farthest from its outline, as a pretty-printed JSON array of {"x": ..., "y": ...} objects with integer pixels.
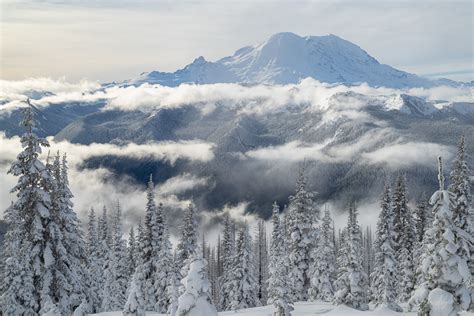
[{"x": 288, "y": 58}]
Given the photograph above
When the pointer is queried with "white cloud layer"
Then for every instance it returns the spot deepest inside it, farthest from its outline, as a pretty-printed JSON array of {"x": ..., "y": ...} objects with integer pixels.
[
  {"x": 256, "y": 99},
  {"x": 91, "y": 187}
]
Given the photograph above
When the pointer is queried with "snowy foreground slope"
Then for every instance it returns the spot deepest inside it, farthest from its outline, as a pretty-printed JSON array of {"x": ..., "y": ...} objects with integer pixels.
[{"x": 302, "y": 309}]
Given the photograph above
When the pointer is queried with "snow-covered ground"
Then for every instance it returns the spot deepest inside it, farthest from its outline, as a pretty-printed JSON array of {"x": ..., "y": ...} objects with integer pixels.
[{"x": 302, "y": 309}]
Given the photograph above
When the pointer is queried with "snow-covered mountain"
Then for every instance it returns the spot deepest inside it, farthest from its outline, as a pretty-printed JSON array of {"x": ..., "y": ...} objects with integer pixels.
[{"x": 288, "y": 58}]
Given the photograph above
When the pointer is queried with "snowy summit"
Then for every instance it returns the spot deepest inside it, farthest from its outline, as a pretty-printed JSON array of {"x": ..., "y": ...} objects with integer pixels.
[{"x": 288, "y": 58}]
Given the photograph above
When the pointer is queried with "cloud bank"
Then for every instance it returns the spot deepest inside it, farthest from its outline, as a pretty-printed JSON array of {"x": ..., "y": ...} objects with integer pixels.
[
  {"x": 92, "y": 187},
  {"x": 254, "y": 99}
]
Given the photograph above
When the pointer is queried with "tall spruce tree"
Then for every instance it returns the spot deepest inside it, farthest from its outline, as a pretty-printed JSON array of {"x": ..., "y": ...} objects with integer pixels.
[
  {"x": 369, "y": 255},
  {"x": 188, "y": 245},
  {"x": 146, "y": 287},
  {"x": 115, "y": 268},
  {"x": 463, "y": 213},
  {"x": 404, "y": 229},
  {"x": 132, "y": 251},
  {"x": 323, "y": 266},
  {"x": 18, "y": 296},
  {"x": 445, "y": 272},
  {"x": 300, "y": 229},
  {"x": 261, "y": 261},
  {"x": 384, "y": 276},
  {"x": 279, "y": 294},
  {"x": 423, "y": 220},
  {"x": 245, "y": 284},
  {"x": 94, "y": 263},
  {"x": 39, "y": 231},
  {"x": 70, "y": 289},
  {"x": 165, "y": 274},
  {"x": 227, "y": 256},
  {"x": 352, "y": 279}
]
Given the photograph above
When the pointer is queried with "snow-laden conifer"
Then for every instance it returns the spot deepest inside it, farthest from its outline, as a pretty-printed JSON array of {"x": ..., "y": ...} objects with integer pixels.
[
  {"x": 187, "y": 246},
  {"x": 404, "y": 229},
  {"x": 444, "y": 271},
  {"x": 196, "y": 299},
  {"x": 245, "y": 285},
  {"x": 351, "y": 283},
  {"x": 323, "y": 266},
  {"x": 227, "y": 256},
  {"x": 463, "y": 212},
  {"x": 39, "y": 231},
  {"x": 164, "y": 275},
  {"x": 69, "y": 289},
  {"x": 279, "y": 294},
  {"x": 18, "y": 296},
  {"x": 300, "y": 230},
  {"x": 384, "y": 276},
  {"x": 261, "y": 261},
  {"x": 132, "y": 251},
  {"x": 94, "y": 263}
]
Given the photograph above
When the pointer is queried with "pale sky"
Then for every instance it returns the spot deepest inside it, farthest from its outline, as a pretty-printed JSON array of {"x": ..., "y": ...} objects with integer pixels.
[{"x": 115, "y": 39}]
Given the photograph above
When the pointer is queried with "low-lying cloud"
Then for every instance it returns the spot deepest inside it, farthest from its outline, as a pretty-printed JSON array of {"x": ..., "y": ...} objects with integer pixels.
[
  {"x": 408, "y": 154},
  {"x": 254, "y": 99},
  {"x": 395, "y": 155},
  {"x": 168, "y": 151},
  {"x": 91, "y": 186}
]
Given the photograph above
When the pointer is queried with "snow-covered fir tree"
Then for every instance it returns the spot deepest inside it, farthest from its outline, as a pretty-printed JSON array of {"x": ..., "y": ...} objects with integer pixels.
[
  {"x": 351, "y": 283},
  {"x": 227, "y": 256},
  {"x": 384, "y": 276},
  {"x": 39, "y": 232},
  {"x": 188, "y": 245},
  {"x": 244, "y": 282},
  {"x": 69, "y": 255},
  {"x": 94, "y": 264},
  {"x": 300, "y": 232},
  {"x": 463, "y": 213},
  {"x": 404, "y": 228},
  {"x": 422, "y": 219},
  {"x": 103, "y": 232},
  {"x": 261, "y": 261},
  {"x": 145, "y": 285},
  {"x": 369, "y": 255},
  {"x": 323, "y": 265},
  {"x": 196, "y": 299},
  {"x": 444, "y": 291},
  {"x": 164, "y": 275},
  {"x": 136, "y": 301},
  {"x": 213, "y": 274},
  {"x": 116, "y": 268},
  {"x": 132, "y": 251},
  {"x": 18, "y": 295},
  {"x": 278, "y": 282},
  {"x": 135, "y": 305},
  {"x": 173, "y": 289}
]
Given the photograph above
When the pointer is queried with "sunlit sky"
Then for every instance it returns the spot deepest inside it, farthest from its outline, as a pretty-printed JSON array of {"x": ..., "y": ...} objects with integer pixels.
[{"x": 115, "y": 39}]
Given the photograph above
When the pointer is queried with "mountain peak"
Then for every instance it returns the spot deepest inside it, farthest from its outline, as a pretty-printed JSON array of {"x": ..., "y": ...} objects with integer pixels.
[
  {"x": 284, "y": 36},
  {"x": 199, "y": 61},
  {"x": 289, "y": 58}
]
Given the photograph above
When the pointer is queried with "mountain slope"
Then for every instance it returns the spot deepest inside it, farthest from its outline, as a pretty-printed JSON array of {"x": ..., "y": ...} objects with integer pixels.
[{"x": 288, "y": 58}]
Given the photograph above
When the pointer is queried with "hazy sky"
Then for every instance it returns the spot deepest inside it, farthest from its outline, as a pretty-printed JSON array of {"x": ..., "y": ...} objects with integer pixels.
[{"x": 115, "y": 39}]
